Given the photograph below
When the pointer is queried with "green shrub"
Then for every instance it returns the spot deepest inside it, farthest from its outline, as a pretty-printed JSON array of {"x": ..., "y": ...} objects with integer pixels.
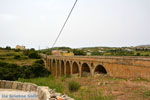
[
  {"x": 10, "y": 54},
  {"x": 13, "y": 71},
  {"x": 34, "y": 55},
  {"x": 39, "y": 70},
  {"x": 2, "y": 58},
  {"x": 17, "y": 57},
  {"x": 73, "y": 86},
  {"x": 8, "y": 48},
  {"x": 24, "y": 57},
  {"x": 9, "y": 71},
  {"x": 31, "y": 53},
  {"x": 138, "y": 54},
  {"x": 147, "y": 93},
  {"x": 17, "y": 50},
  {"x": 63, "y": 78},
  {"x": 39, "y": 61}
]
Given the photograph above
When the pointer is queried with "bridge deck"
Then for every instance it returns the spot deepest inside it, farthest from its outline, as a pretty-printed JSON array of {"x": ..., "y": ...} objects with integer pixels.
[
  {"x": 106, "y": 57},
  {"x": 125, "y": 60}
]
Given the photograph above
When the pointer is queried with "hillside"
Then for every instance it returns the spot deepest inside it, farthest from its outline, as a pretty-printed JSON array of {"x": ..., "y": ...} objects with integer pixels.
[
  {"x": 15, "y": 57},
  {"x": 104, "y": 51}
]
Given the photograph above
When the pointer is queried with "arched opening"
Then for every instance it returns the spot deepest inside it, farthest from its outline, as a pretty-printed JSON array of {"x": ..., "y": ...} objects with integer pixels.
[
  {"x": 68, "y": 69},
  {"x": 62, "y": 68},
  {"x": 53, "y": 67},
  {"x": 75, "y": 68},
  {"x": 49, "y": 66},
  {"x": 85, "y": 70},
  {"x": 58, "y": 68},
  {"x": 100, "y": 70}
]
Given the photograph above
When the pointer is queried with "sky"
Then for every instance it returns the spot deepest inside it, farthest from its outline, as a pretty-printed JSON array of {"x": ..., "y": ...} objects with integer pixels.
[{"x": 36, "y": 23}]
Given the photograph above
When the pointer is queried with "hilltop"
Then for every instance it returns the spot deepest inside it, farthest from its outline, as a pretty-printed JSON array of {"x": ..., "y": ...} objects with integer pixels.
[{"x": 142, "y": 50}]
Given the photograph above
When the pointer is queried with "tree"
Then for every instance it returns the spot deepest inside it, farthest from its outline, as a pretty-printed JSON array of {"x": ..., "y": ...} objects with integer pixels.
[
  {"x": 79, "y": 52},
  {"x": 8, "y": 48},
  {"x": 34, "y": 55}
]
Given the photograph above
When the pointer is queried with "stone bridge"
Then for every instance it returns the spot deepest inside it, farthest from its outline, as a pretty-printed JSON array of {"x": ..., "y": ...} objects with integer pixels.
[{"x": 123, "y": 67}]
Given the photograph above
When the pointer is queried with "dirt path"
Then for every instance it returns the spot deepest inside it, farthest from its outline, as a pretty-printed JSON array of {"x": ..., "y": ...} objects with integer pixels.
[{"x": 8, "y": 94}]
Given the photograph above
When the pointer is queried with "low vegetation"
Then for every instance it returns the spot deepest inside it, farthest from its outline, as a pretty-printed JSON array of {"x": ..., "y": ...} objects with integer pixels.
[
  {"x": 147, "y": 94},
  {"x": 19, "y": 57},
  {"x": 13, "y": 72},
  {"x": 73, "y": 86},
  {"x": 66, "y": 85},
  {"x": 15, "y": 64},
  {"x": 46, "y": 81}
]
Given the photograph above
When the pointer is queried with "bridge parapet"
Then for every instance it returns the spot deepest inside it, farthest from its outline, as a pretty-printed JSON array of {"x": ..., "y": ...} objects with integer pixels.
[{"x": 138, "y": 61}]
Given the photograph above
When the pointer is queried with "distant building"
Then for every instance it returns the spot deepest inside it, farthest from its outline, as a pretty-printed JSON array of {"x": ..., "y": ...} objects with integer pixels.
[
  {"x": 88, "y": 53},
  {"x": 127, "y": 49},
  {"x": 62, "y": 53},
  {"x": 20, "y": 47},
  {"x": 101, "y": 51}
]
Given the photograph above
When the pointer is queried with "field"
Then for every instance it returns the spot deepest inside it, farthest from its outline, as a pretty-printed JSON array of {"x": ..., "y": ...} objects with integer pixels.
[
  {"x": 8, "y": 56},
  {"x": 100, "y": 87}
]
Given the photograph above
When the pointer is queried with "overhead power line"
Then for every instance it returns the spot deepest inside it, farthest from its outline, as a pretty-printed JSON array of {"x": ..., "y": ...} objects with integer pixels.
[{"x": 64, "y": 23}]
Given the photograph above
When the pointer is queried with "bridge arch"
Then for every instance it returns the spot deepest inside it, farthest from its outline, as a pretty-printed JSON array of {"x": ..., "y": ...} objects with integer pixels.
[
  {"x": 50, "y": 67},
  {"x": 62, "y": 67},
  {"x": 75, "y": 68},
  {"x": 58, "y": 68},
  {"x": 100, "y": 69},
  {"x": 68, "y": 68},
  {"x": 85, "y": 70},
  {"x": 54, "y": 67}
]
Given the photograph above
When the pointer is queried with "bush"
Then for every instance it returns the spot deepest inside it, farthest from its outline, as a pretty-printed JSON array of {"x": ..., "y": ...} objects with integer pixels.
[
  {"x": 79, "y": 52},
  {"x": 147, "y": 93},
  {"x": 39, "y": 70},
  {"x": 9, "y": 54},
  {"x": 17, "y": 57},
  {"x": 39, "y": 61},
  {"x": 8, "y": 48},
  {"x": 13, "y": 72},
  {"x": 138, "y": 54},
  {"x": 9, "y": 71},
  {"x": 31, "y": 53},
  {"x": 17, "y": 50},
  {"x": 34, "y": 55},
  {"x": 73, "y": 86}
]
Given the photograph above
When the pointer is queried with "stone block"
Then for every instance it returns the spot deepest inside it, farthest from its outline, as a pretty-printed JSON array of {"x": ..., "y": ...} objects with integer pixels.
[
  {"x": 2, "y": 84},
  {"x": 14, "y": 85},
  {"x": 28, "y": 88},
  {"x": 19, "y": 86},
  {"x": 8, "y": 84},
  {"x": 33, "y": 87},
  {"x": 24, "y": 87}
]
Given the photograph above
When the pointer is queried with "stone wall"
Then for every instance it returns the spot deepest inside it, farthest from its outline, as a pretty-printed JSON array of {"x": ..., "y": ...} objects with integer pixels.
[{"x": 44, "y": 93}]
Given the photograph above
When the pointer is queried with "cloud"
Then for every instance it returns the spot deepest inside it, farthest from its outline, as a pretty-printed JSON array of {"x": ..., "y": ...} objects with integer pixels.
[
  {"x": 8, "y": 17},
  {"x": 43, "y": 18}
]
